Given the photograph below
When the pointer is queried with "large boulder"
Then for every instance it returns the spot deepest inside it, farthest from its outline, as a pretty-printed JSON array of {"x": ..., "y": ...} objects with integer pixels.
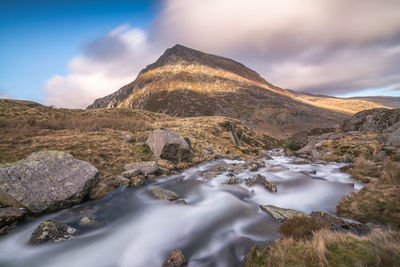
[
  {"x": 46, "y": 181},
  {"x": 9, "y": 217},
  {"x": 168, "y": 145},
  {"x": 53, "y": 231}
]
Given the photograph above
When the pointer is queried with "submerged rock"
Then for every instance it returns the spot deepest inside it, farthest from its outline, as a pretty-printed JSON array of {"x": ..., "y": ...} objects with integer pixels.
[
  {"x": 53, "y": 231},
  {"x": 168, "y": 145},
  {"x": 163, "y": 194},
  {"x": 9, "y": 217},
  {"x": 281, "y": 214},
  {"x": 175, "y": 259},
  {"x": 337, "y": 224},
  {"x": 146, "y": 168},
  {"x": 46, "y": 181},
  {"x": 260, "y": 180}
]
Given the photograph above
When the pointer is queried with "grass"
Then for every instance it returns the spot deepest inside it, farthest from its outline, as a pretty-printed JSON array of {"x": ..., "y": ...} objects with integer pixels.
[
  {"x": 299, "y": 228},
  {"x": 330, "y": 249},
  {"x": 379, "y": 201}
]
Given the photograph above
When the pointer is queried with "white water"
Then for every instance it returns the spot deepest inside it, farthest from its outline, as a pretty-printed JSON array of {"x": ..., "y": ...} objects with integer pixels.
[{"x": 216, "y": 228}]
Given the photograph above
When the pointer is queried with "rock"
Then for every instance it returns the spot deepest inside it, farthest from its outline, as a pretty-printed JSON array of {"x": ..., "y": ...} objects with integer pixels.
[
  {"x": 163, "y": 194},
  {"x": 221, "y": 156},
  {"x": 118, "y": 181},
  {"x": 9, "y": 218},
  {"x": 46, "y": 181},
  {"x": 168, "y": 145},
  {"x": 337, "y": 224},
  {"x": 137, "y": 181},
  {"x": 145, "y": 168},
  {"x": 393, "y": 139},
  {"x": 281, "y": 214},
  {"x": 376, "y": 120},
  {"x": 260, "y": 180},
  {"x": 129, "y": 138},
  {"x": 350, "y": 185},
  {"x": 175, "y": 259},
  {"x": 266, "y": 155},
  {"x": 254, "y": 165},
  {"x": 233, "y": 180},
  {"x": 179, "y": 201},
  {"x": 300, "y": 162},
  {"x": 309, "y": 171},
  {"x": 53, "y": 231},
  {"x": 166, "y": 164}
]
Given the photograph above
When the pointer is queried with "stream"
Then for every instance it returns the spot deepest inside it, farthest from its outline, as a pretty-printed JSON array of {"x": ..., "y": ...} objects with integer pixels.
[{"x": 217, "y": 228}]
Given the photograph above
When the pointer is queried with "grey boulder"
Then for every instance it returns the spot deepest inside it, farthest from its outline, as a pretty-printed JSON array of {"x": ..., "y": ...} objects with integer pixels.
[
  {"x": 9, "y": 217},
  {"x": 281, "y": 214},
  {"x": 145, "y": 168},
  {"x": 168, "y": 145},
  {"x": 53, "y": 231},
  {"x": 46, "y": 181}
]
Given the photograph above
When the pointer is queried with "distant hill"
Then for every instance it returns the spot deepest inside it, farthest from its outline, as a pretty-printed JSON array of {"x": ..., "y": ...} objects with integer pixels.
[{"x": 185, "y": 82}]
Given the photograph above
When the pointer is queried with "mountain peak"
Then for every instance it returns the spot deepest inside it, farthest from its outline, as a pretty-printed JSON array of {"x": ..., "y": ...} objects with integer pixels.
[{"x": 179, "y": 54}]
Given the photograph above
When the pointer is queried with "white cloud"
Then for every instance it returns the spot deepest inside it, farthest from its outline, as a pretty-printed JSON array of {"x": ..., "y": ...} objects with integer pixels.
[
  {"x": 92, "y": 76},
  {"x": 327, "y": 46}
]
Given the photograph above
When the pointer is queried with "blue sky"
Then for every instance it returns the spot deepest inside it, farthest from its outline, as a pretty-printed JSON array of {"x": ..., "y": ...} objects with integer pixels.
[
  {"x": 69, "y": 52},
  {"x": 39, "y": 37}
]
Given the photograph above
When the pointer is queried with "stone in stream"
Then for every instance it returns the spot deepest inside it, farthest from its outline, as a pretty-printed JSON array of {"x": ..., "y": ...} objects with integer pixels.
[
  {"x": 308, "y": 171},
  {"x": 281, "y": 214},
  {"x": 46, "y": 181},
  {"x": 9, "y": 217},
  {"x": 163, "y": 194},
  {"x": 254, "y": 165},
  {"x": 260, "y": 180},
  {"x": 175, "y": 259},
  {"x": 337, "y": 224},
  {"x": 233, "y": 180},
  {"x": 53, "y": 231},
  {"x": 168, "y": 145},
  {"x": 145, "y": 168}
]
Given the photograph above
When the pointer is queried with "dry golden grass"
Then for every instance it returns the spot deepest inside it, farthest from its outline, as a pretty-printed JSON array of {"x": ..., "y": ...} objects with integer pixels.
[
  {"x": 377, "y": 202},
  {"x": 95, "y": 135},
  {"x": 330, "y": 249}
]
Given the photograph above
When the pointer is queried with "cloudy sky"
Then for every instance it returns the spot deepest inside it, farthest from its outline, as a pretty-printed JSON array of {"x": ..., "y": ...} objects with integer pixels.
[{"x": 67, "y": 53}]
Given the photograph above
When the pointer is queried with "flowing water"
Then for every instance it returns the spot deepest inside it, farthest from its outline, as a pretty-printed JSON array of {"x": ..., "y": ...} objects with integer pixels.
[{"x": 218, "y": 226}]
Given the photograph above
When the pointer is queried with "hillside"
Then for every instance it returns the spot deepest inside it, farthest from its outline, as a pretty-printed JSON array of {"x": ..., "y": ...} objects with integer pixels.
[{"x": 184, "y": 82}]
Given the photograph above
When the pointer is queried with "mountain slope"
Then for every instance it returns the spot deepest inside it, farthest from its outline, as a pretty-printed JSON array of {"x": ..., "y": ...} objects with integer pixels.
[{"x": 185, "y": 82}]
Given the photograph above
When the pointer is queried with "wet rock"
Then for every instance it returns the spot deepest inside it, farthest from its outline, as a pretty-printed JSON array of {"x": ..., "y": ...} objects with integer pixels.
[
  {"x": 9, "y": 218},
  {"x": 53, "y": 231},
  {"x": 281, "y": 214},
  {"x": 129, "y": 138},
  {"x": 260, "y": 180},
  {"x": 309, "y": 171},
  {"x": 145, "y": 168},
  {"x": 163, "y": 194},
  {"x": 168, "y": 145},
  {"x": 350, "y": 185},
  {"x": 46, "y": 181},
  {"x": 265, "y": 154},
  {"x": 175, "y": 259},
  {"x": 233, "y": 180},
  {"x": 221, "y": 156},
  {"x": 300, "y": 162},
  {"x": 337, "y": 224},
  {"x": 278, "y": 169},
  {"x": 137, "y": 181},
  {"x": 254, "y": 165},
  {"x": 179, "y": 201}
]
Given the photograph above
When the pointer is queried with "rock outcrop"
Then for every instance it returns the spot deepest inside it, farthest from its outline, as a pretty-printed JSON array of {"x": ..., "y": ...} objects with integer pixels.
[
  {"x": 281, "y": 214},
  {"x": 9, "y": 217},
  {"x": 168, "y": 145},
  {"x": 52, "y": 231},
  {"x": 46, "y": 181},
  {"x": 372, "y": 121}
]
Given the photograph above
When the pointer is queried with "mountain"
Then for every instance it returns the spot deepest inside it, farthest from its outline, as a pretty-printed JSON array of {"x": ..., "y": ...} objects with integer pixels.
[{"x": 185, "y": 82}]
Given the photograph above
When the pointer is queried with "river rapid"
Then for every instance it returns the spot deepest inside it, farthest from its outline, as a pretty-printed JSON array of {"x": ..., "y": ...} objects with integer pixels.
[{"x": 217, "y": 228}]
